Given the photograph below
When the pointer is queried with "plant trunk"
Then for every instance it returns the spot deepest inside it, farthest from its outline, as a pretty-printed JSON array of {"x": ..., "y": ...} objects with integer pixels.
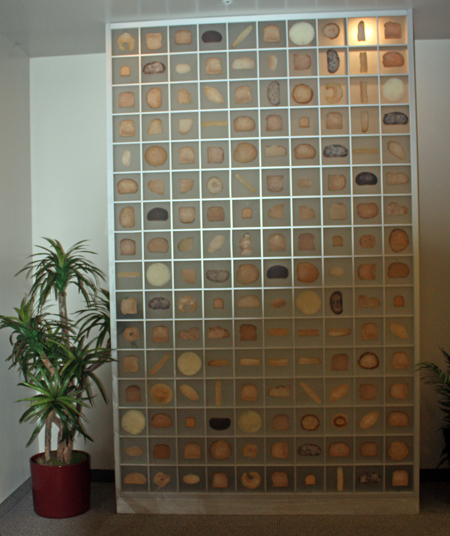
[
  {"x": 67, "y": 454},
  {"x": 48, "y": 436},
  {"x": 61, "y": 445},
  {"x": 63, "y": 313}
]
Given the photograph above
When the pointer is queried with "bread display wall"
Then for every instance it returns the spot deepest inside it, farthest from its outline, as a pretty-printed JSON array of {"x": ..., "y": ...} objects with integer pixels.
[{"x": 263, "y": 224}]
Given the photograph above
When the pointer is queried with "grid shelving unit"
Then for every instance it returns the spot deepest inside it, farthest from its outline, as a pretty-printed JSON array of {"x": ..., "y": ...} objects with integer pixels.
[{"x": 326, "y": 346}]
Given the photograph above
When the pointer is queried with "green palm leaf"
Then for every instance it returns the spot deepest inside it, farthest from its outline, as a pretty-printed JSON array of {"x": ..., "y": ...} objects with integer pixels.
[
  {"x": 432, "y": 374},
  {"x": 53, "y": 270}
]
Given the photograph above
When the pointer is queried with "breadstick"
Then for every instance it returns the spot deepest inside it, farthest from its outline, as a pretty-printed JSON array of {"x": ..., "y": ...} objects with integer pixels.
[
  {"x": 242, "y": 36},
  {"x": 218, "y": 363},
  {"x": 365, "y": 150},
  {"x": 249, "y": 362},
  {"x": 245, "y": 183},
  {"x": 129, "y": 274},
  {"x": 278, "y": 362},
  {"x": 339, "y": 332},
  {"x": 363, "y": 62},
  {"x": 309, "y": 361},
  {"x": 310, "y": 392},
  {"x": 340, "y": 479},
  {"x": 278, "y": 332},
  {"x": 308, "y": 332},
  {"x": 214, "y": 123},
  {"x": 160, "y": 364},
  {"x": 218, "y": 393}
]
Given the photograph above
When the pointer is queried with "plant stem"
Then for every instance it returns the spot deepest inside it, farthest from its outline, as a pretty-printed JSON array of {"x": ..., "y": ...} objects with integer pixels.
[
  {"x": 63, "y": 313},
  {"x": 49, "y": 366},
  {"x": 67, "y": 455},
  {"x": 48, "y": 436}
]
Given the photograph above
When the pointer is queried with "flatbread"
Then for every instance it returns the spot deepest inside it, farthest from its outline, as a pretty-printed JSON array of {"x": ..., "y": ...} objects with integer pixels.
[
  {"x": 158, "y": 274},
  {"x": 249, "y": 421},
  {"x": 189, "y": 363},
  {"x": 161, "y": 393},
  {"x": 133, "y": 421}
]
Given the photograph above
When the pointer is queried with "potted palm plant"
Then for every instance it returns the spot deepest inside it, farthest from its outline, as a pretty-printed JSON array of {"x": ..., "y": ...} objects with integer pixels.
[
  {"x": 57, "y": 355},
  {"x": 432, "y": 374}
]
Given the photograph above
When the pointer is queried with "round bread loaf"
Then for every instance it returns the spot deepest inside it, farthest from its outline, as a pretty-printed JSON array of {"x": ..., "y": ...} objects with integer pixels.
[
  {"x": 247, "y": 274},
  {"x": 308, "y": 302},
  {"x": 161, "y": 393},
  {"x": 249, "y": 421},
  {"x": 189, "y": 363},
  {"x": 302, "y": 33},
  {"x": 127, "y": 186},
  {"x": 245, "y": 152},
  {"x": 310, "y": 422},
  {"x": 338, "y": 450},
  {"x": 161, "y": 420},
  {"x": 394, "y": 90},
  {"x": 133, "y": 421},
  {"x": 158, "y": 274},
  {"x": 302, "y": 94},
  {"x": 155, "y": 156},
  {"x": 307, "y": 272},
  {"x": 398, "y": 240}
]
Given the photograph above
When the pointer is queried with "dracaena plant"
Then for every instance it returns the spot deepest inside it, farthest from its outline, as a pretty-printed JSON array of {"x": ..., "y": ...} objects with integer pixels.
[{"x": 58, "y": 354}]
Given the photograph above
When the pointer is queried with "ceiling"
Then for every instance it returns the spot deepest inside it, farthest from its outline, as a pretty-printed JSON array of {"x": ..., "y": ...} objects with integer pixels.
[{"x": 63, "y": 27}]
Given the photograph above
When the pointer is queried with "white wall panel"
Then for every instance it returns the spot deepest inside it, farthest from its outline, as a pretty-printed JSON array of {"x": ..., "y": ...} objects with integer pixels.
[
  {"x": 68, "y": 159},
  {"x": 15, "y": 246}
]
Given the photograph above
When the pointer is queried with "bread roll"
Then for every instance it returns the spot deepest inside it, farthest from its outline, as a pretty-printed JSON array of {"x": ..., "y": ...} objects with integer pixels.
[
  {"x": 154, "y": 97},
  {"x": 126, "y": 217},
  {"x": 155, "y": 156},
  {"x": 245, "y": 152}
]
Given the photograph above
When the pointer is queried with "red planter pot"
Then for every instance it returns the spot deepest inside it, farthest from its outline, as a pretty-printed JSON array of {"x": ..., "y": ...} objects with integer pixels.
[{"x": 60, "y": 492}]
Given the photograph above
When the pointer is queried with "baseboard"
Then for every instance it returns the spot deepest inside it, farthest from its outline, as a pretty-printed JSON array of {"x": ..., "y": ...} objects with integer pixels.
[
  {"x": 102, "y": 475},
  {"x": 16, "y": 496}
]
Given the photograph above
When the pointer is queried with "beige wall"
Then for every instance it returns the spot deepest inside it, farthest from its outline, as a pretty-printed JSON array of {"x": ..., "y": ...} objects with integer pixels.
[
  {"x": 15, "y": 246},
  {"x": 433, "y": 122},
  {"x": 68, "y": 132}
]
